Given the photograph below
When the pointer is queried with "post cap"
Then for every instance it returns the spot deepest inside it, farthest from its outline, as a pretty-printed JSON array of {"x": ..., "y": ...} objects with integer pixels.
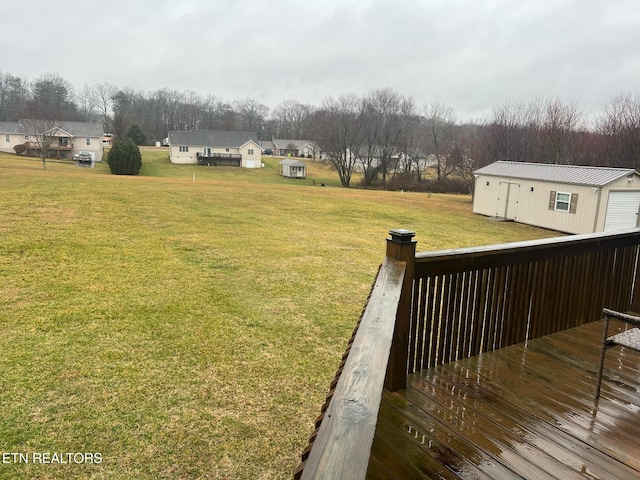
[{"x": 400, "y": 235}]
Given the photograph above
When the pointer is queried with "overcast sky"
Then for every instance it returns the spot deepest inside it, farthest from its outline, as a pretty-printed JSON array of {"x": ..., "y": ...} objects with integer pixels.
[{"x": 470, "y": 54}]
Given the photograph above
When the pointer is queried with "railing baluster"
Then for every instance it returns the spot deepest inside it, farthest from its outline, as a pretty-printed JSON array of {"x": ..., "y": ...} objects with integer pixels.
[{"x": 479, "y": 299}]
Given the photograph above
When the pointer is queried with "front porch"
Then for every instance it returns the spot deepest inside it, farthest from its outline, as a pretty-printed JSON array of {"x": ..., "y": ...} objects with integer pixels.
[{"x": 56, "y": 149}]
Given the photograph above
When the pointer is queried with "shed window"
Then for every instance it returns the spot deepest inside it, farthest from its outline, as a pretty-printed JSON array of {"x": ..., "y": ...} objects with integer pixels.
[{"x": 563, "y": 201}]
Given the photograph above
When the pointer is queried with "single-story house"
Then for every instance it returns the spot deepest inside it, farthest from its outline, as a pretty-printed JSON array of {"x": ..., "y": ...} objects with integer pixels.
[
  {"x": 11, "y": 134},
  {"x": 267, "y": 147},
  {"x": 69, "y": 139},
  {"x": 566, "y": 198},
  {"x": 215, "y": 147},
  {"x": 292, "y": 168},
  {"x": 295, "y": 148}
]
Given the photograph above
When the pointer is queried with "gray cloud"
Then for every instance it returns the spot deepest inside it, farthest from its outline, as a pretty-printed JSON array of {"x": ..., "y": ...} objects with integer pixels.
[{"x": 470, "y": 54}]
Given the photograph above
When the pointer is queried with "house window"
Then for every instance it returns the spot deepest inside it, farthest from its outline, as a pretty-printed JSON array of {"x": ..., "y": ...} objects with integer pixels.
[
  {"x": 88, "y": 141},
  {"x": 184, "y": 149},
  {"x": 7, "y": 138},
  {"x": 26, "y": 137},
  {"x": 250, "y": 151},
  {"x": 563, "y": 200},
  {"x": 227, "y": 149}
]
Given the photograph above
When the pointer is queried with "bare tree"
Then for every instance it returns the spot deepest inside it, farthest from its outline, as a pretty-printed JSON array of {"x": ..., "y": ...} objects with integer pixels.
[
  {"x": 53, "y": 95},
  {"x": 87, "y": 103},
  {"x": 619, "y": 125},
  {"x": 39, "y": 130},
  {"x": 440, "y": 122},
  {"x": 169, "y": 102},
  {"x": 190, "y": 112},
  {"x": 122, "y": 108},
  {"x": 462, "y": 161},
  {"x": 505, "y": 133},
  {"x": 104, "y": 93},
  {"x": 210, "y": 112},
  {"x": 51, "y": 100},
  {"x": 338, "y": 132},
  {"x": 290, "y": 119},
  {"x": 384, "y": 115},
  {"x": 558, "y": 131},
  {"x": 251, "y": 115},
  {"x": 412, "y": 154}
]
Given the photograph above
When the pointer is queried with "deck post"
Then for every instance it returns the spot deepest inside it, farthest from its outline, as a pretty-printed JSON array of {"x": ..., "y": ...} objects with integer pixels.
[
  {"x": 635, "y": 298},
  {"x": 402, "y": 247}
]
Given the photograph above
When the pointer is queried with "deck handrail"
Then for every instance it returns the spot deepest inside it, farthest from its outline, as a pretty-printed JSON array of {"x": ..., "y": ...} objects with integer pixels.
[{"x": 342, "y": 446}]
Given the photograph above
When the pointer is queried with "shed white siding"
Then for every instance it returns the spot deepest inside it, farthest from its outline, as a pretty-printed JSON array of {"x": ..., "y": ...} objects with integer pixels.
[
  {"x": 292, "y": 169},
  {"x": 580, "y": 200}
]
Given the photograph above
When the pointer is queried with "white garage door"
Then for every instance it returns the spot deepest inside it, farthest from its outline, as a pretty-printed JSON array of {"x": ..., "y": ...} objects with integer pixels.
[{"x": 622, "y": 210}]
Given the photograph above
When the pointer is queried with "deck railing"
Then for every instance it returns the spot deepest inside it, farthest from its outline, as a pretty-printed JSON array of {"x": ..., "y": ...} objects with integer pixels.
[
  {"x": 346, "y": 427},
  {"x": 454, "y": 304},
  {"x": 219, "y": 159},
  {"x": 475, "y": 300}
]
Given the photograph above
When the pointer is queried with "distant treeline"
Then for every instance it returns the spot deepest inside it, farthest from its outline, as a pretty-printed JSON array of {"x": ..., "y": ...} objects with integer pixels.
[{"x": 384, "y": 134}]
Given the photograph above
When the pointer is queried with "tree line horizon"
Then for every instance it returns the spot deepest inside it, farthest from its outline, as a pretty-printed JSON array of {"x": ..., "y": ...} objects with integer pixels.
[{"x": 383, "y": 134}]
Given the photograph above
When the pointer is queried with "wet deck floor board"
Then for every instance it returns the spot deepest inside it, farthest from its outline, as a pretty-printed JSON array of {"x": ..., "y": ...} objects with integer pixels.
[{"x": 519, "y": 412}]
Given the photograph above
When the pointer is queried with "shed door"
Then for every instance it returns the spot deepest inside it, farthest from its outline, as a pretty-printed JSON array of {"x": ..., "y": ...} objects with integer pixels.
[
  {"x": 507, "y": 202},
  {"x": 513, "y": 201},
  {"x": 622, "y": 210}
]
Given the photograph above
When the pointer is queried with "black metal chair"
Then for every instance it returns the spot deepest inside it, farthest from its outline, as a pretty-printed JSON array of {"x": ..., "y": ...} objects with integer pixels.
[{"x": 628, "y": 339}]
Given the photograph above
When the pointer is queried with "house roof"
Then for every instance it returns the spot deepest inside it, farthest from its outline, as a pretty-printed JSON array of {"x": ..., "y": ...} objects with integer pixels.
[
  {"x": 572, "y": 174},
  {"x": 293, "y": 163},
  {"x": 212, "y": 138},
  {"x": 75, "y": 129},
  {"x": 11, "y": 127},
  {"x": 284, "y": 143},
  {"x": 81, "y": 129}
]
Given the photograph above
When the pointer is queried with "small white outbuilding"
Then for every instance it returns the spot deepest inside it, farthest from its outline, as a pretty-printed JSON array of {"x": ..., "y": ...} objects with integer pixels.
[
  {"x": 566, "y": 198},
  {"x": 292, "y": 168}
]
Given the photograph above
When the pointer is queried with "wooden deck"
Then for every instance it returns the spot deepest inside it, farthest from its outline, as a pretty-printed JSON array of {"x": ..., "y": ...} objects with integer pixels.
[{"x": 518, "y": 412}]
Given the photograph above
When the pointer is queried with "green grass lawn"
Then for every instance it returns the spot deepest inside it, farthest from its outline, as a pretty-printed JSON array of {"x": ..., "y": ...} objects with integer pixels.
[{"x": 188, "y": 327}]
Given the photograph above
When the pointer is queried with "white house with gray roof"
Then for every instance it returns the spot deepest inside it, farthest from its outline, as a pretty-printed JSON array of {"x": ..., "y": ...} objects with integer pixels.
[
  {"x": 295, "y": 148},
  {"x": 566, "y": 198},
  {"x": 215, "y": 147},
  {"x": 69, "y": 139}
]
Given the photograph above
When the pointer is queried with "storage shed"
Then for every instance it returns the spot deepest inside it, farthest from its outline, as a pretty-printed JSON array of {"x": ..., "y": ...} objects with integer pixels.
[
  {"x": 292, "y": 169},
  {"x": 566, "y": 198}
]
